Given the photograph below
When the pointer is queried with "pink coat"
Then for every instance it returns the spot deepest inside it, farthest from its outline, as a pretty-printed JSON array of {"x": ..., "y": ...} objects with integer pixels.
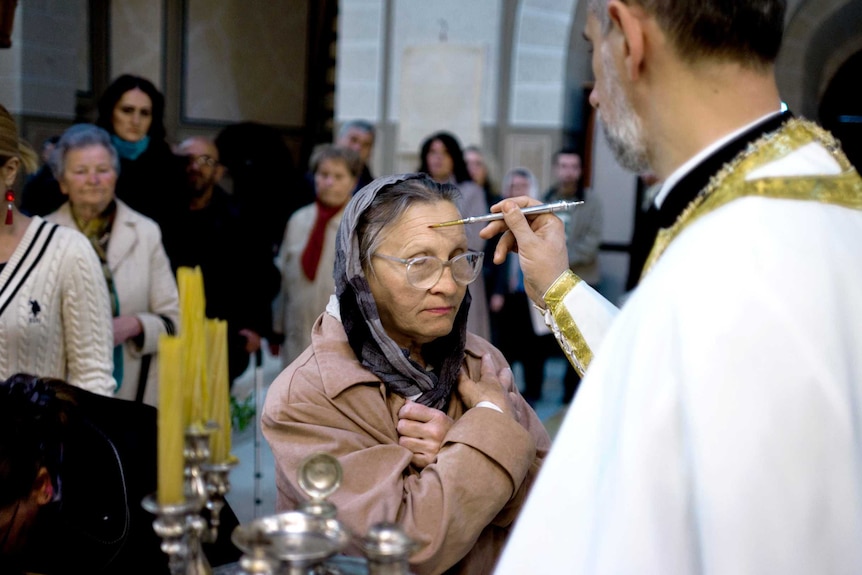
[{"x": 460, "y": 508}]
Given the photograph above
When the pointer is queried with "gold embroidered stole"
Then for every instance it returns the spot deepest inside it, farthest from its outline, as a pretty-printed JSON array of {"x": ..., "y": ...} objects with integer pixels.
[{"x": 844, "y": 189}]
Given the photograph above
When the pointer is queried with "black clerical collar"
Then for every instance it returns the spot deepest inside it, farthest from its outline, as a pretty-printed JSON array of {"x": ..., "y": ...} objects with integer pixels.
[{"x": 690, "y": 185}]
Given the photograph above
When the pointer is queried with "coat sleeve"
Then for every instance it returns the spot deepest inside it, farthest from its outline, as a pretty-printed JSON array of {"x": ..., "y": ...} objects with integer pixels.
[
  {"x": 87, "y": 326},
  {"x": 279, "y": 303},
  {"x": 478, "y": 478},
  {"x": 163, "y": 313}
]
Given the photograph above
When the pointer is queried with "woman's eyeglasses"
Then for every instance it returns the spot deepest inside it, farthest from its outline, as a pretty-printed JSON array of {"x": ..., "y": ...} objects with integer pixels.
[{"x": 424, "y": 272}]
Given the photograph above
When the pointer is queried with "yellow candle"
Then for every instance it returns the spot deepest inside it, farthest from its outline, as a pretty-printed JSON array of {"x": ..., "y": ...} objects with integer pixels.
[
  {"x": 192, "y": 309},
  {"x": 170, "y": 422},
  {"x": 219, "y": 405}
]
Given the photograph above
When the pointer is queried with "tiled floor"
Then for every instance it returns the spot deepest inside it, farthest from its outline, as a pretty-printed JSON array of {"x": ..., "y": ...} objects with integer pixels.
[{"x": 253, "y": 480}]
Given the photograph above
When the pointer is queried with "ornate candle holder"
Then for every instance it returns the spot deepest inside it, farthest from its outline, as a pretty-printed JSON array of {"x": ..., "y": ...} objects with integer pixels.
[
  {"x": 217, "y": 480},
  {"x": 388, "y": 549},
  {"x": 319, "y": 477},
  {"x": 298, "y": 542},
  {"x": 196, "y": 452},
  {"x": 179, "y": 526}
]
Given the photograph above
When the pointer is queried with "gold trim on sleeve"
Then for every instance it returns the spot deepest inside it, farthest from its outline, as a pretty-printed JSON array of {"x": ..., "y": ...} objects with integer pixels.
[{"x": 562, "y": 324}]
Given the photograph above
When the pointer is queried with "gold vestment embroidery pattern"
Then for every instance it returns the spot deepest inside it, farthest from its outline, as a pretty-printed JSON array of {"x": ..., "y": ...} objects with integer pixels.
[{"x": 729, "y": 183}]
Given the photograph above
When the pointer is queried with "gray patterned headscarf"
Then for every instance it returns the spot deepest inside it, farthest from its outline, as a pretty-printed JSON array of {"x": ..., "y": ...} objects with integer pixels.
[{"x": 359, "y": 315}]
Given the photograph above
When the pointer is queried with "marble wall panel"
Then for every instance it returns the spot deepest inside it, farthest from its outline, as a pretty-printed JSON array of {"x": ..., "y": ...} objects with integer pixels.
[
  {"x": 245, "y": 61},
  {"x": 51, "y": 45},
  {"x": 440, "y": 89},
  {"x": 532, "y": 151},
  {"x": 137, "y": 40},
  {"x": 475, "y": 23},
  {"x": 359, "y": 75},
  {"x": 10, "y": 70}
]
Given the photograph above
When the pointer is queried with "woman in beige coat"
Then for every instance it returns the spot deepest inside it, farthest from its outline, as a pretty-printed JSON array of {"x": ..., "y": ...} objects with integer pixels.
[
  {"x": 423, "y": 416},
  {"x": 129, "y": 246}
]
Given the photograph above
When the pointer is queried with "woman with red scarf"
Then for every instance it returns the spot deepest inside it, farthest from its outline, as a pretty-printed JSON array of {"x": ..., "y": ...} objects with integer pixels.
[{"x": 307, "y": 254}]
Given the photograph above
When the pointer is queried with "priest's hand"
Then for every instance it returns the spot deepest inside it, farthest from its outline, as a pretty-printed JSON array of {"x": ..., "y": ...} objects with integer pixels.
[
  {"x": 422, "y": 430},
  {"x": 540, "y": 244}
]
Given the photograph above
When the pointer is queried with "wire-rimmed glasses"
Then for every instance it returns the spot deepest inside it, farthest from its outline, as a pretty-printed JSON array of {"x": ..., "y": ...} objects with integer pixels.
[
  {"x": 425, "y": 271},
  {"x": 201, "y": 161}
]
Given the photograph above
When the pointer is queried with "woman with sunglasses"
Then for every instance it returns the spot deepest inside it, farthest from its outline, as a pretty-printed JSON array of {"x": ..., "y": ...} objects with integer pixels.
[{"x": 423, "y": 416}]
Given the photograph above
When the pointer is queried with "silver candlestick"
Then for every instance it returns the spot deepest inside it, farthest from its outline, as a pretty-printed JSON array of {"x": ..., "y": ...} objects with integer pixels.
[
  {"x": 176, "y": 525},
  {"x": 319, "y": 477},
  {"x": 388, "y": 549},
  {"x": 196, "y": 452},
  {"x": 217, "y": 486}
]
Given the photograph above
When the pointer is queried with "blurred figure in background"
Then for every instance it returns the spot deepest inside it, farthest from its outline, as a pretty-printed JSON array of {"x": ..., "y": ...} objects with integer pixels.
[
  {"x": 359, "y": 135},
  {"x": 41, "y": 194},
  {"x": 442, "y": 159},
  {"x": 307, "y": 255},
  {"x": 483, "y": 171},
  {"x": 520, "y": 330},
  {"x": 150, "y": 179},
  {"x": 211, "y": 231},
  {"x": 142, "y": 289},
  {"x": 55, "y": 316},
  {"x": 265, "y": 182}
]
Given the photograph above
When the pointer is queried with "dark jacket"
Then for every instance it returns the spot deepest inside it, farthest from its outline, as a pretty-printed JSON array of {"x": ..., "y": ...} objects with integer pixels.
[{"x": 108, "y": 467}]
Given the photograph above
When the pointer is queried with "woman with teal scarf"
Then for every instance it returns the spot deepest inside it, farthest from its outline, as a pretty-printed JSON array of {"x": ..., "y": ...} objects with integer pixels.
[{"x": 151, "y": 177}]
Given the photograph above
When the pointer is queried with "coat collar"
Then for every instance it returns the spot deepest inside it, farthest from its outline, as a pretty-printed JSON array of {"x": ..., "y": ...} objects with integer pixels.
[
  {"x": 124, "y": 235},
  {"x": 339, "y": 368}
]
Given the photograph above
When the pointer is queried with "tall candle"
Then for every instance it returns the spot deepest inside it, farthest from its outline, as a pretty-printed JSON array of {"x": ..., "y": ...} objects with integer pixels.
[
  {"x": 192, "y": 307},
  {"x": 217, "y": 373},
  {"x": 170, "y": 422}
]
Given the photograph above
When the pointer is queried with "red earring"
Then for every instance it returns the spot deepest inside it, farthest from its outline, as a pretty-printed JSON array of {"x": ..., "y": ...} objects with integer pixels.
[{"x": 10, "y": 202}]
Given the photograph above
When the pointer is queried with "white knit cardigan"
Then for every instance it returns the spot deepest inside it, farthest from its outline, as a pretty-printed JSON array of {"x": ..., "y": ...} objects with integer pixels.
[{"x": 55, "y": 315}]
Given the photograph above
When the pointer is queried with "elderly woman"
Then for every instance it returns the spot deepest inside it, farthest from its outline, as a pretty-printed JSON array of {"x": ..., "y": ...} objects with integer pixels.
[
  {"x": 423, "y": 416},
  {"x": 129, "y": 246},
  {"x": 55, "y": 319}
]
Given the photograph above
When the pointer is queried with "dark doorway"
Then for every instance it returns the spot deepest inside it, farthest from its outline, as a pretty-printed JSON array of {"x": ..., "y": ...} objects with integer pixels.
[{"x": 841, "y": 108}]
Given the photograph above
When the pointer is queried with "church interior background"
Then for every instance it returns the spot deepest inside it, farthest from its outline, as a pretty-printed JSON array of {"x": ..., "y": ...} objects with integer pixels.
[{"x": 508, "y": 75}]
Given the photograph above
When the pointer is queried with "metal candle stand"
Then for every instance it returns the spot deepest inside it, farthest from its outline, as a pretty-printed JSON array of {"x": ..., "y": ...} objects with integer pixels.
[
  {"x": 305, "y": 541},
  {"x": 181, "y": 526},
  {"x": 301, "y": 542}
]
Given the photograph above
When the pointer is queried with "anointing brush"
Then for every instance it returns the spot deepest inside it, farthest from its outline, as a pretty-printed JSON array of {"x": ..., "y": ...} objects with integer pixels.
[{"x": 560, "y": 206}]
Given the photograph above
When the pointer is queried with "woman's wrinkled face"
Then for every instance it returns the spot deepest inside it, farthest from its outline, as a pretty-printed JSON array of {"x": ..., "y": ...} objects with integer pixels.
[
  {"x": 89, "y": 178},
  {"x": 413, "y": 317},
  {"x": 333, "y": 182},
  {"x": 133, "y": 115},
  {"x": 440, "y": 164}
]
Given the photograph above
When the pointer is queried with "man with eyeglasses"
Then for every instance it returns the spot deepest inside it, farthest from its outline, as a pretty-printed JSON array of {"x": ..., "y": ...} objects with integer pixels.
[{"x": 240, "y": 278}]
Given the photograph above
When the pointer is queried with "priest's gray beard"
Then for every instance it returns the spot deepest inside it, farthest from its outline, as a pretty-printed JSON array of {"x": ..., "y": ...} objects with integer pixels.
[{"x": 620, "y": 123}]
